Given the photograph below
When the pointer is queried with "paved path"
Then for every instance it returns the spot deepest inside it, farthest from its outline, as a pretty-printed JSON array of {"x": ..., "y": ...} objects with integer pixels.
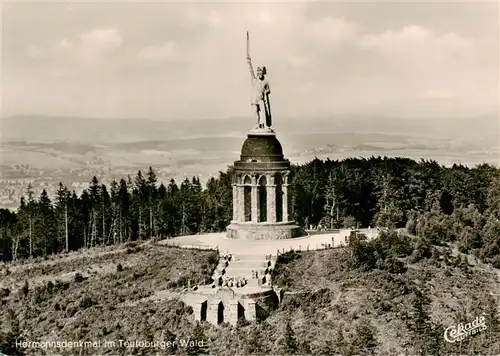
[{"x": 243, "y": 247}]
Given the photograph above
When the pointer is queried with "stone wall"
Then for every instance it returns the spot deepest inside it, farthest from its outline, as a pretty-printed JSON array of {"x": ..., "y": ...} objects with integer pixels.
[
  {"x": 216, "y": 310},
  {"x": 262, "y": 231}
]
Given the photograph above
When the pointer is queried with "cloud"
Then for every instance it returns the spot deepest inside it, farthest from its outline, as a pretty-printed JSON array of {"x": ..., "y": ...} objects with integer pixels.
[
  {"x": 321, "y": 58},
  {"x": 87, "y": 49},
  {"x": 412, "y": 38},
  {"x": 92, "y": 47},
  {"x": 64, "y": 44},
  {"x": 102, "y": 38},
  {"x": 333, "y": 31},
  {"x": 438, "y": 93},
  {"x": 165, "y": 52},
  {"x": 298, "y": 61},
  {"x": 402, "y": 68},
  {"x": 453, "y": 41},
  {"x": 35, "y": 52},
  {"x": 433, "y": 64},
  {"x": 211, "y": 18}
]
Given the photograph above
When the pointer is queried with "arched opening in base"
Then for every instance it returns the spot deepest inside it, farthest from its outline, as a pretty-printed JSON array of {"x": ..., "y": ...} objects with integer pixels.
[
  {"x": 220, "y": 313},
  {"x": 262, "y": 204},
  {"x": 247, "y": 202},
  {"x": 241, "y": 312},
  {"x": 262, "y": 196},
  {"x": 203, "y": 316},
  {"x": 279, "y": 197}
]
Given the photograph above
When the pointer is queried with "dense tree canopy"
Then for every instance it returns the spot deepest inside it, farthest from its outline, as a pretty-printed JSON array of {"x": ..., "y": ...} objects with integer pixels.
[{"x": 445, "y": 203}]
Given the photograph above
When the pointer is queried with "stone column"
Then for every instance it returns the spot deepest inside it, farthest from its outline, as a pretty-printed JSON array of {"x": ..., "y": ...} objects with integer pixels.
[
  {"x": 241, "y": 203},
  {"x": 250, "y": 312},
  {"x": 233, "y": 312},
  {"x": 197, "y": 310},
  {"x": 235, "y": 202},
  {"x": 213, "y": 312},
  {"x": 271, "y": 200},
  {"x": 284, "y": 188},
  {"x": 255, "y": 201}
]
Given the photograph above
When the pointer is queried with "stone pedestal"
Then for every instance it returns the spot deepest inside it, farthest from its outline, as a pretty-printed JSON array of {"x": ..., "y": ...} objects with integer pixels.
[
  {"x": 264, "y": 231},
  {"x": 255, "y": 204},
  {"x": 241, "y": 204},
  {"x": 284, "y": 188},
  {"x": 271, "y": 203},
  {"x": 197, "y": 311},
  {"x": 213, "y": 312},
  {"x": 251, "y": 311},
  {"x": 262, "y": 169},
  {"x": 236, "y": 202},
  {"x": 233, "y": 312}
]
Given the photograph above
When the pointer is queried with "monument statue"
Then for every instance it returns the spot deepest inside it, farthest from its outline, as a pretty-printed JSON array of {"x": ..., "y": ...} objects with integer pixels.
[{"x": 260, "y": 92}]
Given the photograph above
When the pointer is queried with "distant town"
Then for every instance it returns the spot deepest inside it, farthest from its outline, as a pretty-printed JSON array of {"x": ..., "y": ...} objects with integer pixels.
[{"x": 16, "y": 178}]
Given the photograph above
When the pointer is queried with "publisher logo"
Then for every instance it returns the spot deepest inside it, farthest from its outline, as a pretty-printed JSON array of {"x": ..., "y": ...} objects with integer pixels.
[{"x": 459, "y": 332}]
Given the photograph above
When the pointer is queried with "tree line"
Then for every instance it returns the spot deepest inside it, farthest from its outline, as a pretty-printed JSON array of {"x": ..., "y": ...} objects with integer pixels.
[
  {"x": 354, "y": 192},
  {"x": 130, "y": 209}
]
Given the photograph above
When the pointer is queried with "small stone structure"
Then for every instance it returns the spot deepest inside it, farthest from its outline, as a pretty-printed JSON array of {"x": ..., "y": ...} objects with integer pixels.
[
  {"x": 228, "y": 307},
  {"x": 253, "y": 300}
]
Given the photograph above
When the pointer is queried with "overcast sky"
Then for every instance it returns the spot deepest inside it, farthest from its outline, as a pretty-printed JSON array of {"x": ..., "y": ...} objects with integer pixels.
[{"x": 187, "y": 60}]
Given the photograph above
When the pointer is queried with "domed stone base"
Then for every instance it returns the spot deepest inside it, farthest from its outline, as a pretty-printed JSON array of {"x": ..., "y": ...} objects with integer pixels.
[{"x": 264, "y": 231}]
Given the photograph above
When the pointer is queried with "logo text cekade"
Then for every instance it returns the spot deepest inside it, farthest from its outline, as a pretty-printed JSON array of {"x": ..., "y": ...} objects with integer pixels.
[{"x": 459, "y": 332}]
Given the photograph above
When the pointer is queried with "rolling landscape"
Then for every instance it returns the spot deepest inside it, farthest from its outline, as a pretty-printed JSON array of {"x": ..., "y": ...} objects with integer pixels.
[{"x": 46, "y": 150}]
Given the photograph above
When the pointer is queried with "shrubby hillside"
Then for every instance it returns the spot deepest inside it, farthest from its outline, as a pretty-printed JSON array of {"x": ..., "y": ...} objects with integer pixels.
[
  {"x": 127, "y": 293},
  {"x": 393, "y": 295},
  {"x": 388, "y": 296}
]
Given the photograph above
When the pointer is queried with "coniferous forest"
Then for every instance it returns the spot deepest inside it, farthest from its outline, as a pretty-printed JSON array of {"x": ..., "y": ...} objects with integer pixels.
[{"x": 445, "y": 204}]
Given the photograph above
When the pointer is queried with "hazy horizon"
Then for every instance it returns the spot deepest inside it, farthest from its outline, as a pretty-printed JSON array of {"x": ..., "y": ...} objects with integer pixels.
[
  {"x": 95, "y": 130},
  {"x": 250, "y": 117}
]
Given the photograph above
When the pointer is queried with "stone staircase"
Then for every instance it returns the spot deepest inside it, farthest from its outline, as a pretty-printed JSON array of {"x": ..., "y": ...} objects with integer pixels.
[{"x": 246, "y": 269}]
